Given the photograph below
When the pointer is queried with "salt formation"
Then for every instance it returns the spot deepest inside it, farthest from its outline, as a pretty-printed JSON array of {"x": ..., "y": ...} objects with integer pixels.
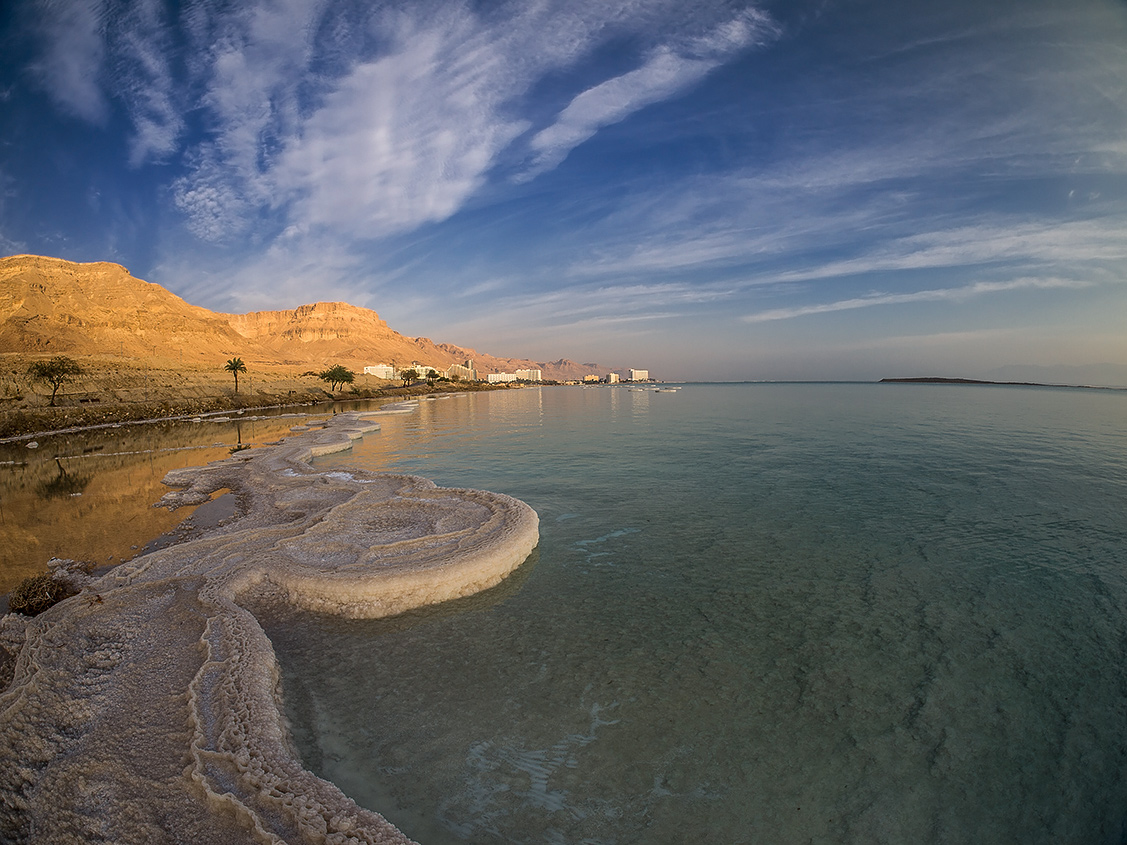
[{"x": 146, "y": 708}]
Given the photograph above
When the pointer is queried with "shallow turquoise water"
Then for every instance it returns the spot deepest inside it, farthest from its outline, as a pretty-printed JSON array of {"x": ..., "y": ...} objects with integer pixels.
[{"x": 758, "y": 613}]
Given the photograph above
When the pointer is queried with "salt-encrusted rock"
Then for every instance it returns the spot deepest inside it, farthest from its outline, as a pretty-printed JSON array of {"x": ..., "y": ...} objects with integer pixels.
[{"x": 145, "y": 709}]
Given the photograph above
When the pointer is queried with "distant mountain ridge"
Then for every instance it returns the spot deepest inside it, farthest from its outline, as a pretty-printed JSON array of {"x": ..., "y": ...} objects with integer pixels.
[{"x": 49, "y": 305}]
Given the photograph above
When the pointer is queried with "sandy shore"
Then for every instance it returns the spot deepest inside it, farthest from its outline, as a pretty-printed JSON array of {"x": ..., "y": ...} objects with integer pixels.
[{"x": 145, "y": 708}]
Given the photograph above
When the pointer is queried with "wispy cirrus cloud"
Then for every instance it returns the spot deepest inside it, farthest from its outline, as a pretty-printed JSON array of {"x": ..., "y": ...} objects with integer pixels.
[
  {"x": 955, "y": 294},
  {"x": 1084, "y": 243},
  {"x": 671, "y": 69},
  {"x": 397, "y": 119},
  {"x": 859, "y": 208},
  {"x": 143, "y": 52},
  {"x": 405, "y": 139},
  {"x": 250, "y": 66},
  {"x": 73, "y": 52},
  {"x": 95, "y": 51},
  {"x": 409, "y": 138}
]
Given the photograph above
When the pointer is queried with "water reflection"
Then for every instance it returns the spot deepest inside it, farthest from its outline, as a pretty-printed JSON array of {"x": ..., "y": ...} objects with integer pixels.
[
  {"x": 89, "y": 495},
  {"x": 64, "y": 484}
]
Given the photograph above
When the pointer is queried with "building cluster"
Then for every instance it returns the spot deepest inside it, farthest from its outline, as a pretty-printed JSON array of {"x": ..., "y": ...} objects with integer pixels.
[
  {"x": 466, "y": 372},
  {"x": 455, "y": 372},
  {"x": 519, "y": 375},
  {"x": 612, "y": 378}
]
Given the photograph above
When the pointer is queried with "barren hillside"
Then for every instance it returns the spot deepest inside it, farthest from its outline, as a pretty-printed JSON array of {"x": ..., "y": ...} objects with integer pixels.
[{"x": 52, "y": 306}]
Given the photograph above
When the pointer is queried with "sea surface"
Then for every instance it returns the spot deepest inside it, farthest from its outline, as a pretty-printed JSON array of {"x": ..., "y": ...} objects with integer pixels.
[{"x": 763, "y": 613}]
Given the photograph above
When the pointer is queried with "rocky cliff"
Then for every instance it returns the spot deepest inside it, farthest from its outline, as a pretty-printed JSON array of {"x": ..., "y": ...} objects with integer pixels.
[
  {"x": 52, "y": 306},
  {"x": 334, "y": 331},
  {"x": 48, "y": 305}
]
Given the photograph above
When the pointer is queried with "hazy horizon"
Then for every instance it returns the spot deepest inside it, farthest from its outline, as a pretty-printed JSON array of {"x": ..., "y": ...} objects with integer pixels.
[{"x": 715, "y": 190}]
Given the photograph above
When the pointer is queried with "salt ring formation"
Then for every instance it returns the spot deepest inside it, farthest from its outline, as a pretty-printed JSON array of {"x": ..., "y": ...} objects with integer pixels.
[{"x": 147, "y": 707}]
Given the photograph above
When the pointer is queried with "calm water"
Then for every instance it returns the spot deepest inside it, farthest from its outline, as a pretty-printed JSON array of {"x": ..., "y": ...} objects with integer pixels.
[
  {"x": 87, "y": 495},
  {"x": 758, "y": 613}
]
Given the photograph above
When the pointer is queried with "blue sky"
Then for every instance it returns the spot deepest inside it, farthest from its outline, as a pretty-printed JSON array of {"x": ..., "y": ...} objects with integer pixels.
[{"x": 799, "y": 189}]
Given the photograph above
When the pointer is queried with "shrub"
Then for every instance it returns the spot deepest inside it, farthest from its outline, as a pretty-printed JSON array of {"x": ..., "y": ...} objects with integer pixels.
[{"x": 35, "y": 594}]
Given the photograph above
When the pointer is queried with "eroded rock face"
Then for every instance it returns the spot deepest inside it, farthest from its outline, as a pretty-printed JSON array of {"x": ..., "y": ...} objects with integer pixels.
[
  {"x": 52, "y": 306},
  {"x": 146, "y": 708}
]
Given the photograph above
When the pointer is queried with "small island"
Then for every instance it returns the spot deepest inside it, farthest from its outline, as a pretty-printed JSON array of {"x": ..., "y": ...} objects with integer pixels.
[{"x": 939, "y": 380}]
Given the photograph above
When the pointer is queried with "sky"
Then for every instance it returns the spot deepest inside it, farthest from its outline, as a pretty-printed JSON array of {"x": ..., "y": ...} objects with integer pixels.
[{"x": 710, "y": 189}]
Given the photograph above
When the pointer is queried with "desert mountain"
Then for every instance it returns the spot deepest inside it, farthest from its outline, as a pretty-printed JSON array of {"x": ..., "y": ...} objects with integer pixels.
[
  {"x": 48, "y": 305},
  {"x": 52, "y": 306}
]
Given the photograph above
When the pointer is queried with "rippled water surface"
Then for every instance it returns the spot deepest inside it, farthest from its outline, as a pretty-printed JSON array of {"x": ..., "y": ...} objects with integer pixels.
[{"x": 758, "y": 613}]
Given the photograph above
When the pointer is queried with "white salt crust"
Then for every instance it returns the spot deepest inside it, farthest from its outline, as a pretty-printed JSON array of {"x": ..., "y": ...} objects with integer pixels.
[{"x": 146, "y": 709}]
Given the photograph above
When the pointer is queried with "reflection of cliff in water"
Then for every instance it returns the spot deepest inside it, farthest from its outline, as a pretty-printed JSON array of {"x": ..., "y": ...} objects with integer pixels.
[{"x": 89, "y": 495}]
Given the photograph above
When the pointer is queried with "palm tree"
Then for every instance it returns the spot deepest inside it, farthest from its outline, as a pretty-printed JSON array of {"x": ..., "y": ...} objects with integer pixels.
[{"x": 234, "y": 367}]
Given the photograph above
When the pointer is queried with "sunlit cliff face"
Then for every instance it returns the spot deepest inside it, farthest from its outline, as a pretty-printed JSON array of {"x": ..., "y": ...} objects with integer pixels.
[{"x": 52, "y": 306}]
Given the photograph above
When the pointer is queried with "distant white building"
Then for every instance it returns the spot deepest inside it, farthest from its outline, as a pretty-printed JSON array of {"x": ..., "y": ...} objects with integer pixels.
[
  {"x": 423, "y": 369},
  {"x": 464, "y": 372},
  {"x": 612, "y": 378},
  {"x": 380, "y": 371},
  {"x": 639, "y": 375},
  {"x": 519, "y": 375}
]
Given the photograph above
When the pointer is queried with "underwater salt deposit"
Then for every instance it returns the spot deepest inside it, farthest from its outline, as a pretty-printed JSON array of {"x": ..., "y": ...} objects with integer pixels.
[
  {"x": 776, "y": 613},
  {"x": 757, "y": 613}
]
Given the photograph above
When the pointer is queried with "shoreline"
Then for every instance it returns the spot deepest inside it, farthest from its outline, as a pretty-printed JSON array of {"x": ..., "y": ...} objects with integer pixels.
[
  {"x": 160, "y": 661},
  {"x": 20, "y": 424}
]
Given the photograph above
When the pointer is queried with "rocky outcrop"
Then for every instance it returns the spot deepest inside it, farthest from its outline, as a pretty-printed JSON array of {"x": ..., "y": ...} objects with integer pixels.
[
  {"x": 51, "y": 306},
  {"x": 54, "y": 306},
  {"x": 319, "y": 321},
  {"x": 335, "y": 331}
]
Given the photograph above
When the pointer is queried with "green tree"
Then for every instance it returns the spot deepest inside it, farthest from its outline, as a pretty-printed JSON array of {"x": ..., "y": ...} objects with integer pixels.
[
  {"x": 337, "y": 375},
  {"x": 408, "y": 376},
  {"x": 58, "y": 370},
  {"x": 234, "y": 367}
]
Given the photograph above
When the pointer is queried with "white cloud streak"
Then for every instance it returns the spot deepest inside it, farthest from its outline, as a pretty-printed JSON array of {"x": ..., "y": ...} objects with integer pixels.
[
  {"x": 957, "y": 294},
  {"x": 93, "y": 50},
  {"x": 251, "y": 65},
  {"x": 1080, "y": 242},
  {"x": 147, "y": 84},
  {"x": 408, "y": 135},
  {"x": 404, "y": 140},
  {"x": 73, "y": 55},
  {"x": 670, "y": 70}
]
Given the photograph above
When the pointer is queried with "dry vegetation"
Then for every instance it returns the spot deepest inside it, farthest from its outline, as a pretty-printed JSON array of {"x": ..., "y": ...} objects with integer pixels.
[{"x": 115, "y": 390}]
